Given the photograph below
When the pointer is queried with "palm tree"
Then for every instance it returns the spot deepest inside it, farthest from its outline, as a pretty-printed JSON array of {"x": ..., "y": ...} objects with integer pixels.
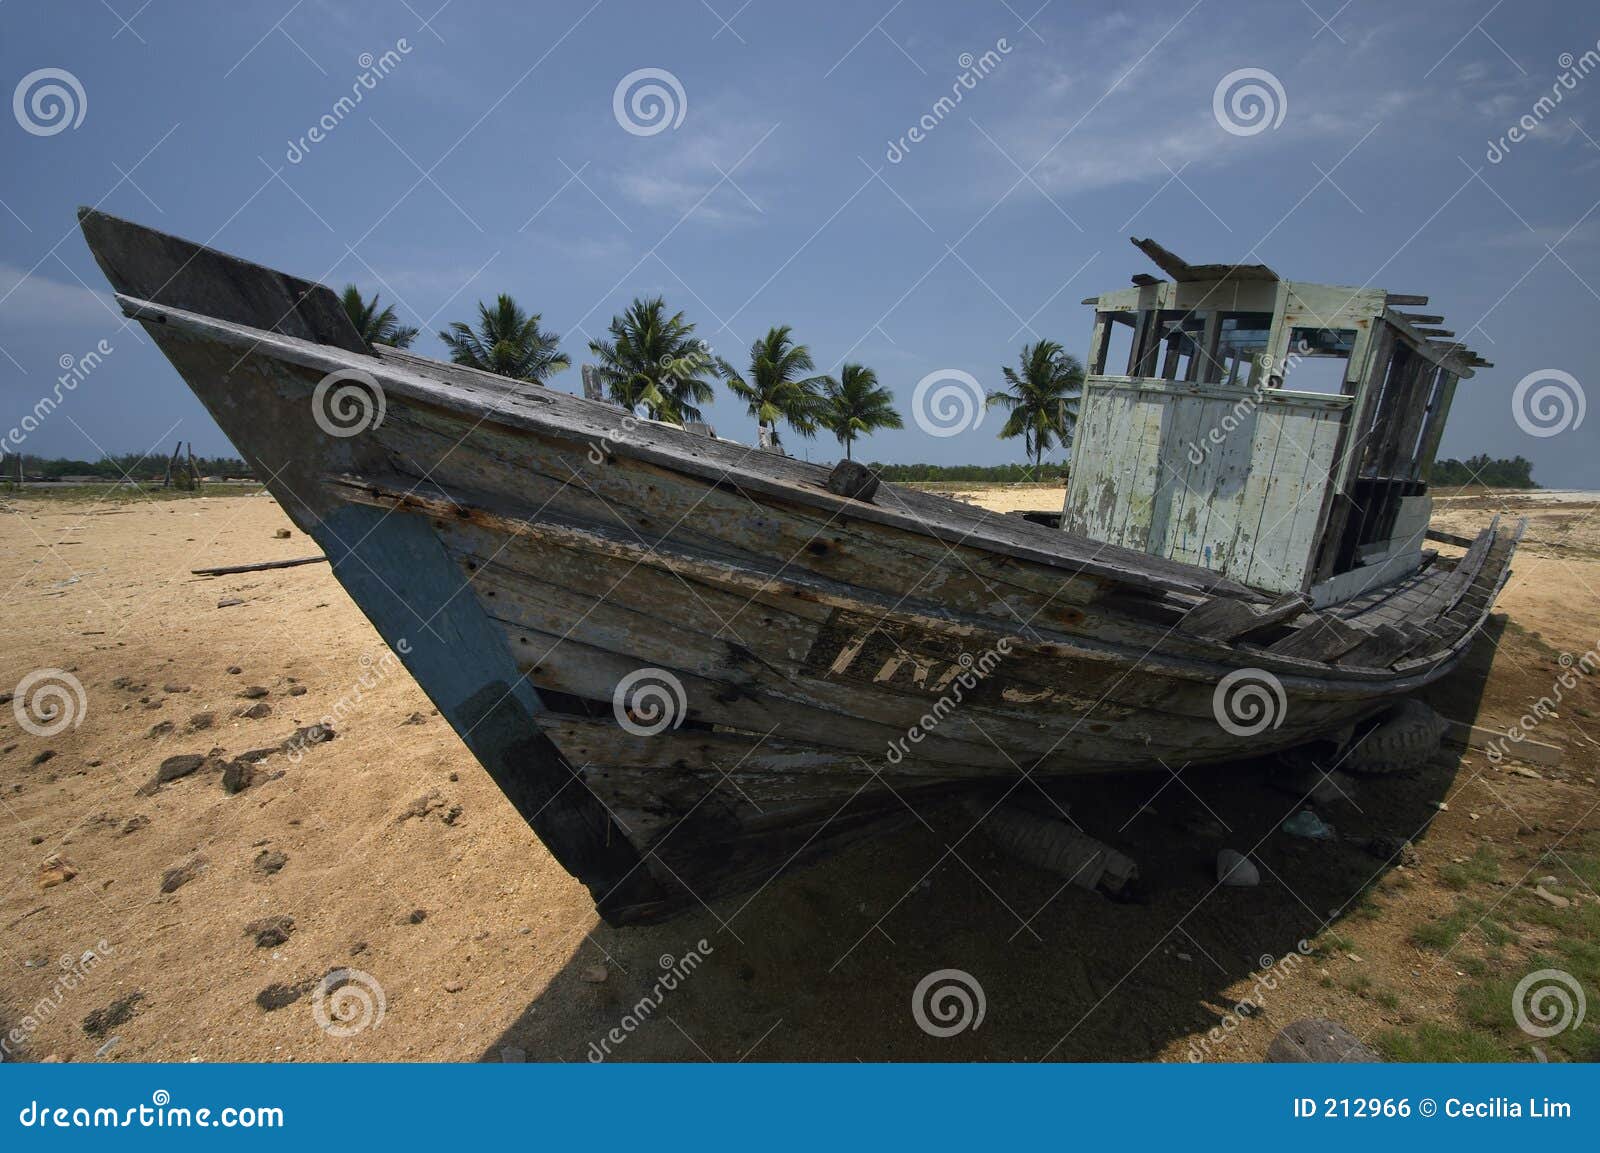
[
  {"x": 654, "y": 360},
  {"x": 854, "y": 404},
  {"x": 374, "y": 326},
  {"x": 508, "y": 342},
  {"x": 776, "y": 389},
  {"x": 1043, "y": 397}
]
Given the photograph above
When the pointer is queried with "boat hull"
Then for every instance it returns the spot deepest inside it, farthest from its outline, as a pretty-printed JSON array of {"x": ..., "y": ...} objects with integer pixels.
[{"x": 688, "y": 666}]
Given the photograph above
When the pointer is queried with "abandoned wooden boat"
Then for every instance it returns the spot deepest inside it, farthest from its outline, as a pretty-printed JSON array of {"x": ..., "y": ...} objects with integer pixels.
[{"x": 689, "y": 663}]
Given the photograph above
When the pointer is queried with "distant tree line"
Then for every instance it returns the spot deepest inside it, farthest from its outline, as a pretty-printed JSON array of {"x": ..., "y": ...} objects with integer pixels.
[
  {"x": 1497, "y": 473},
  {"x": 994, "y": 473},
  {"x": 140, "y": 467}
]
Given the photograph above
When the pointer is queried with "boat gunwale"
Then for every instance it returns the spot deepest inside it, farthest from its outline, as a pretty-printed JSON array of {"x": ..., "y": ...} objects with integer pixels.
[{"x": 1151, "y": 575}]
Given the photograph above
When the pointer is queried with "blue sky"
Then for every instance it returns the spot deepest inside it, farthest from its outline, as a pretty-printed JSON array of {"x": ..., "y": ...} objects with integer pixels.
[{"x": 489, "y": 159}]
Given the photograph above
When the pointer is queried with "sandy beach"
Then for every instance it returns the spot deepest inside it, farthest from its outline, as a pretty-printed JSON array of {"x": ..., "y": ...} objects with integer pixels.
[{"x": 212, "y": 916}]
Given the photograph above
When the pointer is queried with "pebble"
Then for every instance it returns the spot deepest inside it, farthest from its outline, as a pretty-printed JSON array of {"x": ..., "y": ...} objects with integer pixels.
[
  {"x": 1524, "y": 771},
  {"x": 270, "y": 932},
  {"x": 253, "y": 692},
  {"x": 595, "y": 974},
  {"x": 56, "y": 870},
  {"x": 229, "y": 602},
  {"x": 1235, "y": 870},
  {"x": 269, "y": 861},
  {"x": 513, "y": 1055},
  {"x": 297, "y": 690},
  {"x": 1554, "y": 899},
  {"x": 180, "y": 875},
  {"x": 453, "y": 986}
]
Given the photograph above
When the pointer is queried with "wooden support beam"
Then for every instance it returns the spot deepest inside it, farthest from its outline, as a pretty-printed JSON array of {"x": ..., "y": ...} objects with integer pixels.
[{"x": 1404, "y": 300}]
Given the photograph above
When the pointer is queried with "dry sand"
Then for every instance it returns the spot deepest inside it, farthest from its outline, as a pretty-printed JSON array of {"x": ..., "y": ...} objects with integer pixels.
[{"x": 483, "y": 947}]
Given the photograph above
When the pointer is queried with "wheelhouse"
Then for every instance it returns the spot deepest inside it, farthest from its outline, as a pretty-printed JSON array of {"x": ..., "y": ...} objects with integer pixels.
[{"x": 1278, "y": 432}]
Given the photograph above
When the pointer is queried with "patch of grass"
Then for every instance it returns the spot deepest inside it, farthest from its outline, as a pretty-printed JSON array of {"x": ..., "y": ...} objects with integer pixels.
[
  {"x": 1441, "y": 935},
  {"x": 1482, "y": 868},
  {"x": 1360, "y": 984},
  {"x": 1438, "y": 1043},
  {"x": 1389, "y": 999}
]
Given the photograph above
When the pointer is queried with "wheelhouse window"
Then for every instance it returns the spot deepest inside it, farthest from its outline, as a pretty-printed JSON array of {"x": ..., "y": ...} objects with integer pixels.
[{"x": 1319, "y": 360}]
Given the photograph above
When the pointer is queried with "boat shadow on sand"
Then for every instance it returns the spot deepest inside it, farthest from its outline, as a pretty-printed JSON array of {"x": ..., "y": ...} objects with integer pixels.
[{"x": 823, "y": 963}]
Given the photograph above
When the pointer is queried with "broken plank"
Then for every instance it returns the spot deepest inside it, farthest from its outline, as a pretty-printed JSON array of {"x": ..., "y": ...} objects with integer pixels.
[
  {"x": 1226, "y": 619},
  {"x": 258, "y": 566}
]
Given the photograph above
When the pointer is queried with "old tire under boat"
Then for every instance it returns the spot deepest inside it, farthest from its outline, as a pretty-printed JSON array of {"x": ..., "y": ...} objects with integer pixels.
[{"x": 1405, "y": 739}]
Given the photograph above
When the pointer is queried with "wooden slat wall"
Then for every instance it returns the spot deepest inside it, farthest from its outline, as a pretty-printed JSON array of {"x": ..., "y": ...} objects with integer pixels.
[{"x": 1148, "y": 476}]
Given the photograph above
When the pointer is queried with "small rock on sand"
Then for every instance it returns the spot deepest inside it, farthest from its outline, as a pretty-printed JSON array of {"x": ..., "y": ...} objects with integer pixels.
[
  {"x": 1236, "y": 871},
  {"x": 453, "y": 986},
  {"x": 595, "y": 974},
  {"x": 1554, "y": 899},
  {"x": 174, "y": 688},
  {"x": 102, "y": 1021},
  {"x": 269, "y": 861},
  {"x": 421, "y": 807},
  {"x": 180, "y": 765},
  {"x": 201, "y": 721},
  {"x": 270, "y": 932},
  {"x": 56, "y": 870},
  {"x": 277, "y": 995},
  {"x": 134, "y": 823},
  {"x": 297, "y": 690},
  {"x": 237, "y": 776},
  {"x": 281, "y": 534},
  {"x": 252, "y": 693},
  {"x": 178, "y": 876},
  {"x": 41, "y": 758},
  {"x": 229, "y": 602},
  {"x": 255, "y": 712},
  {"x": 160, "y": 729}
]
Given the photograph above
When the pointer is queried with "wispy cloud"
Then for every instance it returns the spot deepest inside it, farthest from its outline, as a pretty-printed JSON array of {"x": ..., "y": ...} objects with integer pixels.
[{"x": 38, "y": 300}]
